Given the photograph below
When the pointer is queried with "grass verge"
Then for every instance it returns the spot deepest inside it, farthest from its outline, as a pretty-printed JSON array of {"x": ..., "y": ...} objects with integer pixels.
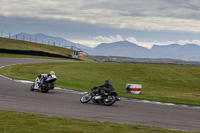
[
  {"x": 13, "y": 44},
  {"x": 6, "y": 43},
  {"x": 17, "y": 122},
  {"x": 165, "y": 83}
]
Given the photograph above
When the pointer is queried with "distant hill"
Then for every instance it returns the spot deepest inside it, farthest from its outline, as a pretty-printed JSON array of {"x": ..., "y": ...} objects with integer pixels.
[
  {"x": 122, "y": 48},
  {"x": 177, "y": 48},
  {"x": 118, "y": 45},
  {"x": 46, "y": 39},
  {"x": 187, "y": 52}
]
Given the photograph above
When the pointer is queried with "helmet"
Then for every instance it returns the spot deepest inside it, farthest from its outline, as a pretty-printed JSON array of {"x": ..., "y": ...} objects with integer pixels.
[
  {"x": 107, "y": 81},
  {"x": 52, "y": 72}
]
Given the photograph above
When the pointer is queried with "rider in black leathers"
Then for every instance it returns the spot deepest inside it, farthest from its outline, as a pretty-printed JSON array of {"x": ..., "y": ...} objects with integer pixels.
[{"x": 107, "y": 87}]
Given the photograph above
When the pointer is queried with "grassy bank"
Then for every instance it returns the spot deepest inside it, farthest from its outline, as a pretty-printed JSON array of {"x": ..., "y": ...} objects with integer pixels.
[
  {"x": 13, "y": 44},
  {"x": 165, "y": 83},
  {"x": 6, "y": 43},
  {"x": 16, "y": 122}
]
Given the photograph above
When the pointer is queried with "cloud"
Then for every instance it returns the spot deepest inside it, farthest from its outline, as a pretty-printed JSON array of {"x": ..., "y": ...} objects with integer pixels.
[
  {"x": 183, "y": 42},
  {"x": 110, "y": 39},
  {"x": 151, "y": 15},
  {"x": 132, "y": 39},
  {"x": 89, "y": 43}
]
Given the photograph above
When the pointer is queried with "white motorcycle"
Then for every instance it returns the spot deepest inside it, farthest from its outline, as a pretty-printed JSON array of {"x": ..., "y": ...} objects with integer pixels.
[{"x": 48, "y": 84}]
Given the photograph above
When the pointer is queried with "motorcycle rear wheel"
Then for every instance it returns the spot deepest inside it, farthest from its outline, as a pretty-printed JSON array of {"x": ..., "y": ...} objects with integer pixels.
[
  {"x": 110, "y": 100},
  {"x": 45, "y": 88},
  {"x": 86, "y": 98}
]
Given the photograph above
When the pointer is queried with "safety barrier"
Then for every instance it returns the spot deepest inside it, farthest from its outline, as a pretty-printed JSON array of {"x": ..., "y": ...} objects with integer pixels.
[
  {"x": 133, "y": 88},
  {"x": 30, "y": 52}
]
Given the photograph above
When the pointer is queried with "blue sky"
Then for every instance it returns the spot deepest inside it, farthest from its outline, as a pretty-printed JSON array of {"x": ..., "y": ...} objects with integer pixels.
[{"x": 91, "y": 22}]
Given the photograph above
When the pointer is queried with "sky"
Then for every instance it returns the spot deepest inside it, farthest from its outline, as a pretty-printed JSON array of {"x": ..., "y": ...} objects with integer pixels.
[{"x": 91, "y": 22}]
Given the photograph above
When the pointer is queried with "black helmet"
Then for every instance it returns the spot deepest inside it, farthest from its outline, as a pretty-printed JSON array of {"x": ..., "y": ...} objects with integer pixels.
[{"x": 107, "y": 81}]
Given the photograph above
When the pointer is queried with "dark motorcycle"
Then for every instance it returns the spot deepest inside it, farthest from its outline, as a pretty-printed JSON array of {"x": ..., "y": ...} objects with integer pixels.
[
  {"x": 105, "y": 98},
  {"x": 48, "y": 84}
]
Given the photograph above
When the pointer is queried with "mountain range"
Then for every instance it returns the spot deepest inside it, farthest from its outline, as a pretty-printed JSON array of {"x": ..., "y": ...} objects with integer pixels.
[
  {"x": 187, "y": 52},
  {"x": 46, "y": 39}
]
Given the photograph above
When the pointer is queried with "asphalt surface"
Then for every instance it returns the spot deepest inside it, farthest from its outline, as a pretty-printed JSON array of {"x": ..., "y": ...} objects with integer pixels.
[{"x": 17, "y": 96}]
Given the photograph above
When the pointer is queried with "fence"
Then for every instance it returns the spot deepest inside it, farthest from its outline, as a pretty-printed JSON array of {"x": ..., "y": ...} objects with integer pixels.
[{"x": 30, "y": 38}]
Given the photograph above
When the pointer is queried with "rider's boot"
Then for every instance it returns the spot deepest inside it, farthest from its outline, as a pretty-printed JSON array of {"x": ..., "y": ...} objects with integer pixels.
[{"x": 118, "y": 99}]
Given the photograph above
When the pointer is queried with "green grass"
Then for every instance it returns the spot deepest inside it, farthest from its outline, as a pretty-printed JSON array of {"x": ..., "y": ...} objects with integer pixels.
[
  {"x": 166, "y": 83},
  {"x": 6, "y": 43},
  {"x": 17, "y": 122},
  {"x": 13, "y": 44}
]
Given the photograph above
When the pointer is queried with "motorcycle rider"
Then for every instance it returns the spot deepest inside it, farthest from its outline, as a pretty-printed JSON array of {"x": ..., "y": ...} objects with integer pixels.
[
  {"x": 106, "y": 87},
  {"x": 44, "y": 77}
]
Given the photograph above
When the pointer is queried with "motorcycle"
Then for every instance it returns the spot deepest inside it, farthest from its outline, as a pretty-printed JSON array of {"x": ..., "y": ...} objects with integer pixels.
[
  {"x": 48, "y": 84},
  {"x": 105, "y": 98}
]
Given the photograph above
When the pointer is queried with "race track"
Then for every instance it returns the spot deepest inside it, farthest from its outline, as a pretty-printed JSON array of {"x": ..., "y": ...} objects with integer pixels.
[{"x": 16, "y": 96}]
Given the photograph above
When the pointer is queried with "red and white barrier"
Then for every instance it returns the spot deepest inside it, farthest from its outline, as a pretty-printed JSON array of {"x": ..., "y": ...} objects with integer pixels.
[{"x": 133, "y": 88}]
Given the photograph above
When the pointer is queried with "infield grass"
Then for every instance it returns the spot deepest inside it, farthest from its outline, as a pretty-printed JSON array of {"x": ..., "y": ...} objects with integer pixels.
[
  {"x": 17, "y": 122},
  {"x": 165, "y": 83}
]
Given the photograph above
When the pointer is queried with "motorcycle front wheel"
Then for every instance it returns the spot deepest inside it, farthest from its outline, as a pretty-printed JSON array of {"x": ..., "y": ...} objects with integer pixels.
[
  {"x": 32, "y": 87},
  {"x": 86, "y": 98},
  {"x": 110, "y": 100}
]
